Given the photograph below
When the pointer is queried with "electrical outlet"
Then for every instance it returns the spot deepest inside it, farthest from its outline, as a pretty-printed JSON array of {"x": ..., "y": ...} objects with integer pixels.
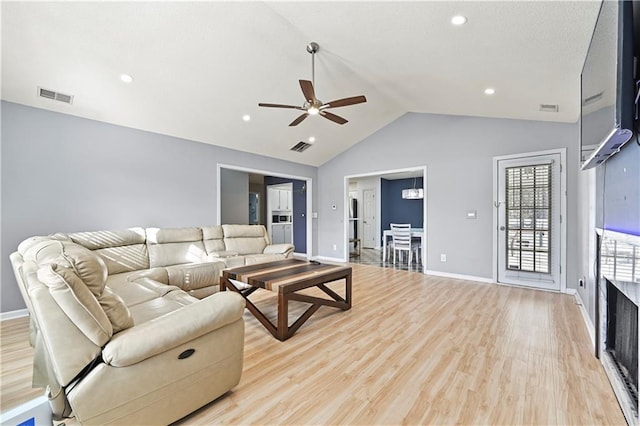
[
  {"x": 443, "y": 258},
  {"x": 335, "y": 247}
]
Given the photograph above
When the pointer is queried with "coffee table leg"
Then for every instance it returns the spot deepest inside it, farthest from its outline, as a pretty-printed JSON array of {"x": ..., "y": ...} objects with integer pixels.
[
  {"x": 252, "y": 308},
  {"x": 283, "y": 317}
]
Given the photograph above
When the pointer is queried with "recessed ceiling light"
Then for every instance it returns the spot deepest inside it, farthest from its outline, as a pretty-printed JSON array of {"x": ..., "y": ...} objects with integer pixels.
[
  {"x": 312, "y": 139},
  {"x": 459, "y": 20},
  {"x": 126, "y": 78},
  {"x": 246, "y": 117},
  {"x": 489, "y": 91}
]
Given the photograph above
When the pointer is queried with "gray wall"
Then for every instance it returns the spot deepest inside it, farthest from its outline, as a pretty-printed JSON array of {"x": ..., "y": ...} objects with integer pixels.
[
  {"x": 64, "y": 173},
  {"x": 616, "y": 203},
  {"x": 234, "y": 197},
  {"x": 458, "y": 152}
]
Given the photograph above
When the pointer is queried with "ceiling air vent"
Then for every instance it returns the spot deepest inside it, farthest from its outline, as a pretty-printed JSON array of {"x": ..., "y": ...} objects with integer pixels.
[
  {"x": 548, "y": 108},
  {"x": 300, "y": 146},
  {"x": 56, "y": 96}
]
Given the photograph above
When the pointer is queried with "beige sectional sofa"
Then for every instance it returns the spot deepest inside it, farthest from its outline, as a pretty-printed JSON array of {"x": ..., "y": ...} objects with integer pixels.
[{"x": 128, "y": 326}]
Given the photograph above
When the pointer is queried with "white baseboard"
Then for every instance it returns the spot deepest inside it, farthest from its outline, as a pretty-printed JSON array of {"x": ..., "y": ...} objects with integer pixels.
[
  {"x": 329, "y": 259},
  {"x": 460, "y": 276},
  {"x": 14, "y": 314},
  {"x": 585, "y": 316}
]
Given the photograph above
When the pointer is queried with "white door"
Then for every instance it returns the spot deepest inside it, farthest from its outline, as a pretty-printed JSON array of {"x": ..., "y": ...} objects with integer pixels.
[
  {"x": 369, "y": 224},
  {"x": 529, "y": 218}
]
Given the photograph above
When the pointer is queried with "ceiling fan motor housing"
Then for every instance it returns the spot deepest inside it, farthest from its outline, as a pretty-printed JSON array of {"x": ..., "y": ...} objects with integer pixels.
[{"x": 313, "y": 47}]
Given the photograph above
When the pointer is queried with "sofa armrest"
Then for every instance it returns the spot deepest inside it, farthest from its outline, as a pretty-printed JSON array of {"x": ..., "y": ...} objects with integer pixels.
[
  {"x": 285, "y": 249},
  {"x": 173, "y": 329}
]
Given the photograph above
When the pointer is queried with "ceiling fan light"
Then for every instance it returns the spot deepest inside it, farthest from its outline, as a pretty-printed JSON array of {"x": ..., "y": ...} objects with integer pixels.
[{"x": 313, "y": 110}]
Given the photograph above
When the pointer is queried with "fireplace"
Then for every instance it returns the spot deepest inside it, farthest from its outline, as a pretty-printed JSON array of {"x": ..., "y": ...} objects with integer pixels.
[{"x": 617, "y": 316}]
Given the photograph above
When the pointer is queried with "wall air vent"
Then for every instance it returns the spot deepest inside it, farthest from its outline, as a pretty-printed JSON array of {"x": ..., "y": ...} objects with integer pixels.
[
  {"x": 56, "y": 96},
  {"x": 549, "y": 108},
  {"x": 300, "y": 146}
]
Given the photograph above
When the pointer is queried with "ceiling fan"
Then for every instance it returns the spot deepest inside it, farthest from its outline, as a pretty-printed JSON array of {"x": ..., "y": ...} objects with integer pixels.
[{"x": 312, "y": 105}]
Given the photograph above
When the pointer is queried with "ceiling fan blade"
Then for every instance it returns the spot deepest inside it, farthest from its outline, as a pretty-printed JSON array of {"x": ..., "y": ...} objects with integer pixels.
[
  {"x": 345, "y": 102},
  {"x": 299, "y": 119},
  {"x": 333, "y": 117},
  {"x": 279, "y": 106},
  {"x": 307, "y": 90}
]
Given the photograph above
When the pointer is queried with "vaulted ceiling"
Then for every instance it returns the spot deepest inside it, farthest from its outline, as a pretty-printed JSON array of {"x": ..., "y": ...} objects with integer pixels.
[{"x": 199, "y": 67}]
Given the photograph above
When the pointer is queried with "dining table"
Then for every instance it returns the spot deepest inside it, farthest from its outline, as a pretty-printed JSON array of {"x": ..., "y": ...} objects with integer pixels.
[{"x": 415, "y": 233}]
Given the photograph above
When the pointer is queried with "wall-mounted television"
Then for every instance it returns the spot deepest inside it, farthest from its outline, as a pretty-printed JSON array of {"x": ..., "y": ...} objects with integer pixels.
[{"x": 607, "y": 85}]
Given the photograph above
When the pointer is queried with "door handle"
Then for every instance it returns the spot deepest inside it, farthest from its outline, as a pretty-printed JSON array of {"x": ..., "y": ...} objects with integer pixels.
[{"x": 502, "y": 228}]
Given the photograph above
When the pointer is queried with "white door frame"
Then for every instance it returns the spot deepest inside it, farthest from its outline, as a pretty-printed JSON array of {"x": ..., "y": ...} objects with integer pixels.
[
  {"x": 380, "y": 174},
  {"x": 563, "y": 210},
  {"x": 309, "y": 189}
]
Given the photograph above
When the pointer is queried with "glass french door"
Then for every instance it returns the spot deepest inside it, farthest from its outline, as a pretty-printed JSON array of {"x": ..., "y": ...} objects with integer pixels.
[{"x": 529, "y": 221}]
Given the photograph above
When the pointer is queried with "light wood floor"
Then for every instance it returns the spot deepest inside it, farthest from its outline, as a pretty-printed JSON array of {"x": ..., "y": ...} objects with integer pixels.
[{"x": 413, "y": 350}]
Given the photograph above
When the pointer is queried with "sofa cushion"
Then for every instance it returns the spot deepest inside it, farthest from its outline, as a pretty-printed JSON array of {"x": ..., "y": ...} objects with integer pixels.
[
  {"x": 94, "y": 240},
  {"x": 122, "y": 251},
  {"x": 117, "y": 312},
  {"x": 77, "y": 302},
  {"x": 125, "y": 259},
  {"x": 137, "y": 290},
  {"x": 89, "y": 267},
  {"x": 173, "y": 235},
  {"x": 168, "y": 299},
  {"x": 25, "y": 247},
  {"x": 191, "y": 277},
  {"x": 213, "y": 239},
  {"x": 175, "y": 246},
  {"x": 252, "y": 259},
  {"x": 247, "y": 231},
  {"x": 245, "y": 239}
]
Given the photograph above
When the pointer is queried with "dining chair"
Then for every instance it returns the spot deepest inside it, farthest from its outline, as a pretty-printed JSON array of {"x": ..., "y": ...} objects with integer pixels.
[{"x": 401, "y": 241}]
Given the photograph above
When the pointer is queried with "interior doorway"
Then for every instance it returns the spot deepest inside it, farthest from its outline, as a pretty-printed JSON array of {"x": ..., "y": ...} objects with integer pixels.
[
  {"x": 375, "y": 212},
  {"x": 301, "y": 198}
]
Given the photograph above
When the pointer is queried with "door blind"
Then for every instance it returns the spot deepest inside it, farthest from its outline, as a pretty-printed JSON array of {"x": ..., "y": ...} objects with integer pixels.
[{"x": 528, "y": 211}]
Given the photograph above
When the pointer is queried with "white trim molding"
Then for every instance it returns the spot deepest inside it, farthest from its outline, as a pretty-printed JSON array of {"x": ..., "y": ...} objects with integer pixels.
[
  {"x": 329, "y": 259},
  {"x": 20, "y": 313},
  {"x": 460, "y": 277},
  {"x": 585, "y": 316}
]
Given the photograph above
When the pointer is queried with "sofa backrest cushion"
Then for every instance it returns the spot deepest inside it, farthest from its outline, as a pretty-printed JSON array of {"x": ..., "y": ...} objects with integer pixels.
[
  {"x": 175, "y": 246},
  {"x": 213, "y": 239},
  {"x": 76, "y": 278},
  {"x": 26, "y": 246},
  {"x": 245, "y": 239},
  {"x": 121, "y": 250},
  {"x": 117, "y": 312},
  {"x": 89, "y": 267},
  {"x": 77, "y": 302}
]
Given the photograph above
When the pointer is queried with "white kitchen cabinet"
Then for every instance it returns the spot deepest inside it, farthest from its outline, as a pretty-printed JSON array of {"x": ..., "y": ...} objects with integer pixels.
[
  {"x": 281, "y": 233},
  {"x": 280, "y": 199}
]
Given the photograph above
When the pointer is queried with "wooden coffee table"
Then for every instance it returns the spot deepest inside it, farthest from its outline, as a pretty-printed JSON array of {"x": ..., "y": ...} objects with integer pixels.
[{"x": 287, "y": 277}]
